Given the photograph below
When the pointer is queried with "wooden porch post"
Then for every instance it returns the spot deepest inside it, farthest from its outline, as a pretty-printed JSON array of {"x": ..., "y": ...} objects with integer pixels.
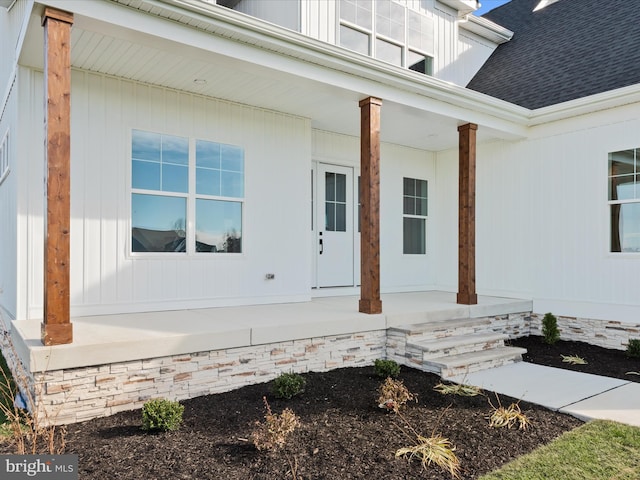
[
  {"x": 467, "y": 215},
  {"x": 370, "y": 205},
  {"x": 56, "y": 327}
]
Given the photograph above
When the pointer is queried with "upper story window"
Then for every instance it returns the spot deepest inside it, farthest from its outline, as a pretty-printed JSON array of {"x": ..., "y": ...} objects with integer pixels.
[
  {"x": 186, "y": 194},
  {"x": 414, "y": 216},
  {"x": 624, "y": 200},
  {"x": 4, "y": 157},
  {"x": 388, "y": 31}
]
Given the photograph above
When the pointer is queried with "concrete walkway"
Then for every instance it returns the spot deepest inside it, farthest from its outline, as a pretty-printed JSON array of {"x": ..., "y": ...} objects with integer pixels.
[{"x": 582, "y": 395}]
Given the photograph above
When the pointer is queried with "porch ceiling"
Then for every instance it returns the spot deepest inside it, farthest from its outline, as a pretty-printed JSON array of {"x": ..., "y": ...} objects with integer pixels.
[{"x": 305, "y": 89}]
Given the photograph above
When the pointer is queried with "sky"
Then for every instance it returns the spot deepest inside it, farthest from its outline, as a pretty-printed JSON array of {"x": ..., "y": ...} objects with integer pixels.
[{"x": 488, "y": 5}]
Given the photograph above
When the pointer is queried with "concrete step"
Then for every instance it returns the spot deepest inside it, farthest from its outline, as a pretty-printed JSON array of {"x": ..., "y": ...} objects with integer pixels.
[
  {"x": 451, "y": 365},
  {"x": 457, "y": 344},
  {"x": 440, "y": 329}
]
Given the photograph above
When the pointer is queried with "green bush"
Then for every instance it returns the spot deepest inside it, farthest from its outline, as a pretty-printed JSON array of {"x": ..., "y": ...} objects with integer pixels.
[
  {"x": 386, "y": 368},
  {"x": 161, "y": 415},
  {"x": 633, "y": 348},
  {"x": 288, "y": 385},
  {"x": 550, "y": 329}
]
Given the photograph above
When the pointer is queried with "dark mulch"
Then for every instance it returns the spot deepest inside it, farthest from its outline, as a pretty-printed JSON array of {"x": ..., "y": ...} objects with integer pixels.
[
  {"x": 600, "y": 361},
  {"x": 344, "y": 435}
]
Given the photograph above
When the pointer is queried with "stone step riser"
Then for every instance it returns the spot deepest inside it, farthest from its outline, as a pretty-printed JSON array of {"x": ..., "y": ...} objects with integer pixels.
[
  {"x": 475, "y": 367},
  {"x": 446, "y": 333},
  {"x": 467, "y": 348}
]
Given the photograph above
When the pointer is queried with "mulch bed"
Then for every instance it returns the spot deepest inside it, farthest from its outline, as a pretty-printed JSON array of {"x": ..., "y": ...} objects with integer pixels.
[
  {"x": 344, "y": 434},
  {"x": 600, "y": 361}
]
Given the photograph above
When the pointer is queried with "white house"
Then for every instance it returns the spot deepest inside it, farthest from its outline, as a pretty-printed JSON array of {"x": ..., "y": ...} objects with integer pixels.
[{"x": 192, "y": 167}]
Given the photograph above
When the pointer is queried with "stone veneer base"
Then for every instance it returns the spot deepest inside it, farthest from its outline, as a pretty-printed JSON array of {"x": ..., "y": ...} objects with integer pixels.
[{"x": 78, "y": 394}]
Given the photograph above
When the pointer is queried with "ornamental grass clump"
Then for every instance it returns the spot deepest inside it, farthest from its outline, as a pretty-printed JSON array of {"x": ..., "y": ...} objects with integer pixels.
[
  {"x": 508, "y": 416},
  {"x": 458, "y": 389},
  {"x": 161, "y": 415},
  {"x": 550, "y": 328},
  {"x": 386, "y": 368},
  {"x": 435, "y": 449},
  {"x": 288, "y": 385},
  {"x": 573, "y": 360}
]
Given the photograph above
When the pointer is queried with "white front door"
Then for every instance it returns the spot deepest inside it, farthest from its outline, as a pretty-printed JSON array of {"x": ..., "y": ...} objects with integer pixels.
[{"x": 335, "y": 214}]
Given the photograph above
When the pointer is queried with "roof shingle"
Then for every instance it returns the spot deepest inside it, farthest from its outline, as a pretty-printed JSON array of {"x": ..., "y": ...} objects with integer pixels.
[{"x": 567, "y": 50}]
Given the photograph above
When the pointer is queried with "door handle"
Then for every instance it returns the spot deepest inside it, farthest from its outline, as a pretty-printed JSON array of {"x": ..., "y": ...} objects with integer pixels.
[{"x": 321, "y": 247}]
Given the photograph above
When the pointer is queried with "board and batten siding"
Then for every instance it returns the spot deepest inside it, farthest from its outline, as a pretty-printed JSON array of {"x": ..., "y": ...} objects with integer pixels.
[
  {"x": 8, "y": 207},
  {"x": 105, "y": 277},
  {"x": 398, "y": 272},
  {"x": 542, "y": 218},
  {"x": 473, "y": 52}
]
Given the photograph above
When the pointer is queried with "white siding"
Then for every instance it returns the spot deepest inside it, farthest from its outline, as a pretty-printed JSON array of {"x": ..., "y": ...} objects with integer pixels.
[
  {"x": 319, "y": 19},
  {"x": 542, "y": 218},
  {"x": 473, "y": 51},
  {"x": 105, "y": 278},
  {"x": 11, "y": 22},
  {"x": 446, "y": 27},
  {"x": 8, "y": 208},
  {"x": 398, "y": 272}
]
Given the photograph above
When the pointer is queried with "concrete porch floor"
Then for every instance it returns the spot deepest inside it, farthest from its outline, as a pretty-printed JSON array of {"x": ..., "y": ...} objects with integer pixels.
[{"x": 107, "y": 339}]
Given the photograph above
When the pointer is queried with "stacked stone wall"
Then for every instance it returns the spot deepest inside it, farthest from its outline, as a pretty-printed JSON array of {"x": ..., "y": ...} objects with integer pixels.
[{"x": 78, "y": 394}]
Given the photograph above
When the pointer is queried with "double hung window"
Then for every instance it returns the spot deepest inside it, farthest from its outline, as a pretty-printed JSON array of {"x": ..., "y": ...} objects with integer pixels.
[
  {"x": 186, "y": 194},
  {"x": 624, "y": 200},
  {"x": 414, "y": 216}
]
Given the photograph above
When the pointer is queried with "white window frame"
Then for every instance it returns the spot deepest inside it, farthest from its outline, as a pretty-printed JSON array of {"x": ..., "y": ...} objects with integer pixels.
[
  {"x": 424, "y": 217},
  {"x": 191, "y": 196},
  {"x": 626, "y": 201},
  {"x": 4, "y": 157}
]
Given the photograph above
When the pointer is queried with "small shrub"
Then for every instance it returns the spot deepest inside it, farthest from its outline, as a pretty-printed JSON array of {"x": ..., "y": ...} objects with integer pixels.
[
  {"x": 550, "y": 329},
  {"x": 394, "y": 395},
  {"x": 272, "y": 434},
  {"x": 633, "y": 348},
  {"x": 288, "y": 385},
  {"x": 386, "y": 368},
  {"x": 161, "y": 415}
]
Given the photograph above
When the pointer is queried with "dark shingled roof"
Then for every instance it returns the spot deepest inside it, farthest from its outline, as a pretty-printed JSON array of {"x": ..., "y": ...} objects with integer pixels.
[{"x": 567, "y": 50}]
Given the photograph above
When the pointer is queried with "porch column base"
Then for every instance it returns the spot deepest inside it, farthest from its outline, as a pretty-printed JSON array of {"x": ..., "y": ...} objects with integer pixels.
[
  {"x": 467, "y": 299},
  {"x": 370, "y": 306},
  {"x": 56, "y": 333}
]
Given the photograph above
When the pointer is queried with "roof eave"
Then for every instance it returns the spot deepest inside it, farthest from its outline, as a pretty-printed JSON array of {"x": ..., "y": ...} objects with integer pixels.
[
  {"x": 582, "y": 106},
  {"x": 486, "y": 29}
]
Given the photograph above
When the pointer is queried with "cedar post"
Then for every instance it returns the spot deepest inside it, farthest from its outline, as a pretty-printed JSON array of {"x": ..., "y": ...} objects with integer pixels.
[
  {"x": 467, "y": 215},
  {"x": 370, "y": 206},
  {"x": 56, "y": 327}
]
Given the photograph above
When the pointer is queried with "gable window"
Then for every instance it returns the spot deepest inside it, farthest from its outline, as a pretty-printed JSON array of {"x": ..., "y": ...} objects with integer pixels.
[
  {"x": 624, "y": 200},
  {"x": 186, "y": 194},
  {"x": 414, "y": 237},
  {"x": 389, "y": 31},
  {"x": 4, "y": 157}
]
